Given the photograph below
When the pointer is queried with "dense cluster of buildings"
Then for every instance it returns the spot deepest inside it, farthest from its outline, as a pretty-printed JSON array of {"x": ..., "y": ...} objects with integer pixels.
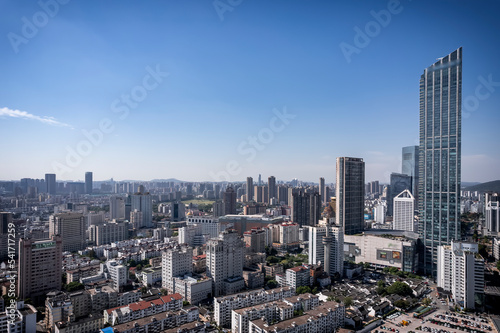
[{"x": 138, "y": 258}]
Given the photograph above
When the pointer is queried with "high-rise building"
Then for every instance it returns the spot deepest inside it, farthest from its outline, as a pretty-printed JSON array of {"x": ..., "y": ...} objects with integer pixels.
[
  {"x": 40, "y": 267},
  {"x": 176, "y": 261},
  {"x": 460, "y": 270},
  {"x": 177, "y": 211},
  {"x": 229, "y": 201},
  {"x": 225, "y": 256},
  {"x": 5, "y": 221},
  {"x": 142, "y": 202},
  {"x": 260, "y": 179},
  {"x": 50, "y": 183},
  {"x": 271, "y": 183},
  {"x": 117, "y": 208},
  {"x": 409, "y": 167},
  {"x": 249, "y": 189},
  {"x": 107, "y": 233},
  {"x": 258, "y": 192},
  {"x": 322, "y": 190},
  {"x": 404, "y": 211},
  {"x": 492, "y": 210},
  {"x": 399, "y": 183},
  {"x": 88, "y": 182},
  {"x": 440, "y": 156},
  {"x": 327, "y": 238},
  {"x": 71, "y": 227},
  {"x": 306, "y": 208},
  {"x": 350, "y": 194}
]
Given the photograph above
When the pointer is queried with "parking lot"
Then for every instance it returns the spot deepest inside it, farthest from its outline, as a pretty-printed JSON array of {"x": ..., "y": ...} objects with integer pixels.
[{"x": 437, "y": 322}]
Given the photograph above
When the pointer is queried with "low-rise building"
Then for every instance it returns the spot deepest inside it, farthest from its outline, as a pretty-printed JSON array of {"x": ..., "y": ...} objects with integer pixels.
[{"x": 150, "y": 276}]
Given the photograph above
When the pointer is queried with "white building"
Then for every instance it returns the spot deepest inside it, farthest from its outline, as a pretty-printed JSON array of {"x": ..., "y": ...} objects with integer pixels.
[
  {"x": 192, "y": 235},
  {"x": 295, "y": 277},
  {"x": 404, "y": 211},
  {"x": 492, "y": 211},
  {"x": 460, "y": 270},
  {"x": 496, "y": 248},
  {"x": 20, "y": 319},
  {"x": 209, "y": 225},
  {"x": 225, "y": 256},
  {"x": 390, "y": 249},
  {"x": 334, "y": 246},
  {"x": 116, "y": 272},
  {"x": 117, "y": 208},
  {"x": 176, "y": 262},
  {"x": 151, "y": 276},
  {"x": 108, "y": 233},
  {"x": 379, "y": 212},
  {"x": 327, "y": 317},
  {"x": 224, "y": 305},
  {"x": 193, "y": 289}
]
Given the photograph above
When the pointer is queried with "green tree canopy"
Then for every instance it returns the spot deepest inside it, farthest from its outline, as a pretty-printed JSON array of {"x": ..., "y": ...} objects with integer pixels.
[{"x": 399, "y": 288}]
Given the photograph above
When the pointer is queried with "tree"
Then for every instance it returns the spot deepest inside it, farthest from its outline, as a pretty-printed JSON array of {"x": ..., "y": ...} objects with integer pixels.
[
  {"x": 74, "y": 286},
  {"x": 399, "y": 288},
  {"x": 314, "y": 290},
  {"x": 303, "y": 290},
  {"x": 272, "y": 260},
  {"x": 185, "y": 303},
  {"x": 402, "y": 304},
  {"x": 426, "y": 301},
  {"x": 498, "y": 265},
  {"x": 347, "y": 302},
  {"x": 272, "y": 284},
  {"x": 483, "y": 251}
]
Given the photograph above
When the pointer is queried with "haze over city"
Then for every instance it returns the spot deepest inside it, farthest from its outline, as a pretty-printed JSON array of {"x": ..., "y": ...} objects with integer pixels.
[{"x": 202, "y": 81}]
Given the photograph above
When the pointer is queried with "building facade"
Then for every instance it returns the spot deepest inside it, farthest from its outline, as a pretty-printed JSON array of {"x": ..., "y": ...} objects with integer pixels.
[{"x": 350, "y": 194}]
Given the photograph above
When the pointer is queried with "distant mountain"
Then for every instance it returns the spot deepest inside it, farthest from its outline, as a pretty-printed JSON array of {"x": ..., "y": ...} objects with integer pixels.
[
  {"x": 168, "y": 180},
  {"x": 493, "y": 186},
  {"x": 468, "y": 184}
]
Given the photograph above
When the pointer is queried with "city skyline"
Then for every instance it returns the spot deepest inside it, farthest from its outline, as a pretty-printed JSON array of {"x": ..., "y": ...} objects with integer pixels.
[{"x": 359, "y": 96}]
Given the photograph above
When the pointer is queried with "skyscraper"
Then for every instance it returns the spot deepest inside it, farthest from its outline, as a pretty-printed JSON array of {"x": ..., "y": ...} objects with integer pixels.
[
  {"x": 399, "y": 183},
  {"x": 50, "y": 183},
  {"x": 249, "y": 188},
  {"x": 40, "y": 267},
  {"x": 322, "y": 190},
  {"x": 225, "y": 256},
  {"x": 71, "y": 227},
  {"x": 143, "y": 203},
  {"x": 88, "y": 182},
  {"x": 117, "y": 208},
  {"x": 409, "y": 167},
  {"x": 271, "y": 183},
  {"x": 350, "y": 193},
  {"x": 440, "y": 156},
  {"x": 306, "y": 208},
  {"x": 229, "y": 201}
]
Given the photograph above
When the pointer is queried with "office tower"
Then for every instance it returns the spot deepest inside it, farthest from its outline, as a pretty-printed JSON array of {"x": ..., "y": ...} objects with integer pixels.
[
  {"x": 322, "y": 190},
  {"x": 225, "y": 262},
  {"x": 88, "y": 182},
  {"x": 71, "y": 227},
  {"x": 229, "y": 201},
  {"x": 282, "y": 194},
  {"x": 177, "y": 211},
  {"x": 460, "y": 270},
  {"x": 218, "y": 208},
  {"x": 176, "y": 261},
  {"x": 260, "y": 180},
  {"x": 399, "y": 183},
  {"x": 142, "y": 202},
  {"x": 257, "y": 190},
  {"x": 440, "y": 156},
  {"x": 492, "y": 210},
  {"x": 374, "y": 187},
  {"x": 5, "y": 221},
  {"x": 50, "y": 183},
  {"x": 271, "y": 183},
  {"x": 117, "y": 208},
  {"x": 249, "y": 189},
  {"x": 327, "y": 238},
  {"x": 404, "y": 211},
  {"x": 409, "y": 166},
  {"x": 107, "y": 233},
  {"x": 350, "y": 194},
  {"x": 40, "y": 267},
  {"x": 306, "y": 208}
]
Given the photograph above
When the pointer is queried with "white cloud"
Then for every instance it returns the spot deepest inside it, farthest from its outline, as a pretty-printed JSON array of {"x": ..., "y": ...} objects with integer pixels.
[{"x": 6, "y": 112}]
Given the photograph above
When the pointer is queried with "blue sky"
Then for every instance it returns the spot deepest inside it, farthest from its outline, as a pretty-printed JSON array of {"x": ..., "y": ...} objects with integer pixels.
[{"x": 231, "y": 69}]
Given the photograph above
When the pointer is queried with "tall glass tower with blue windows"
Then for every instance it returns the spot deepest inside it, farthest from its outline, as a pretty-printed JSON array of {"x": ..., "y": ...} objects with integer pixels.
[{"x": 440, "y": 156}]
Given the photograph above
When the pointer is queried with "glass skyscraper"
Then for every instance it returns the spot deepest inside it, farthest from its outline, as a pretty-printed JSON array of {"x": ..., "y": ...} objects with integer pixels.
[
  {"x": 350, "y": 194},
  {"x": 440, "y": 156}
]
